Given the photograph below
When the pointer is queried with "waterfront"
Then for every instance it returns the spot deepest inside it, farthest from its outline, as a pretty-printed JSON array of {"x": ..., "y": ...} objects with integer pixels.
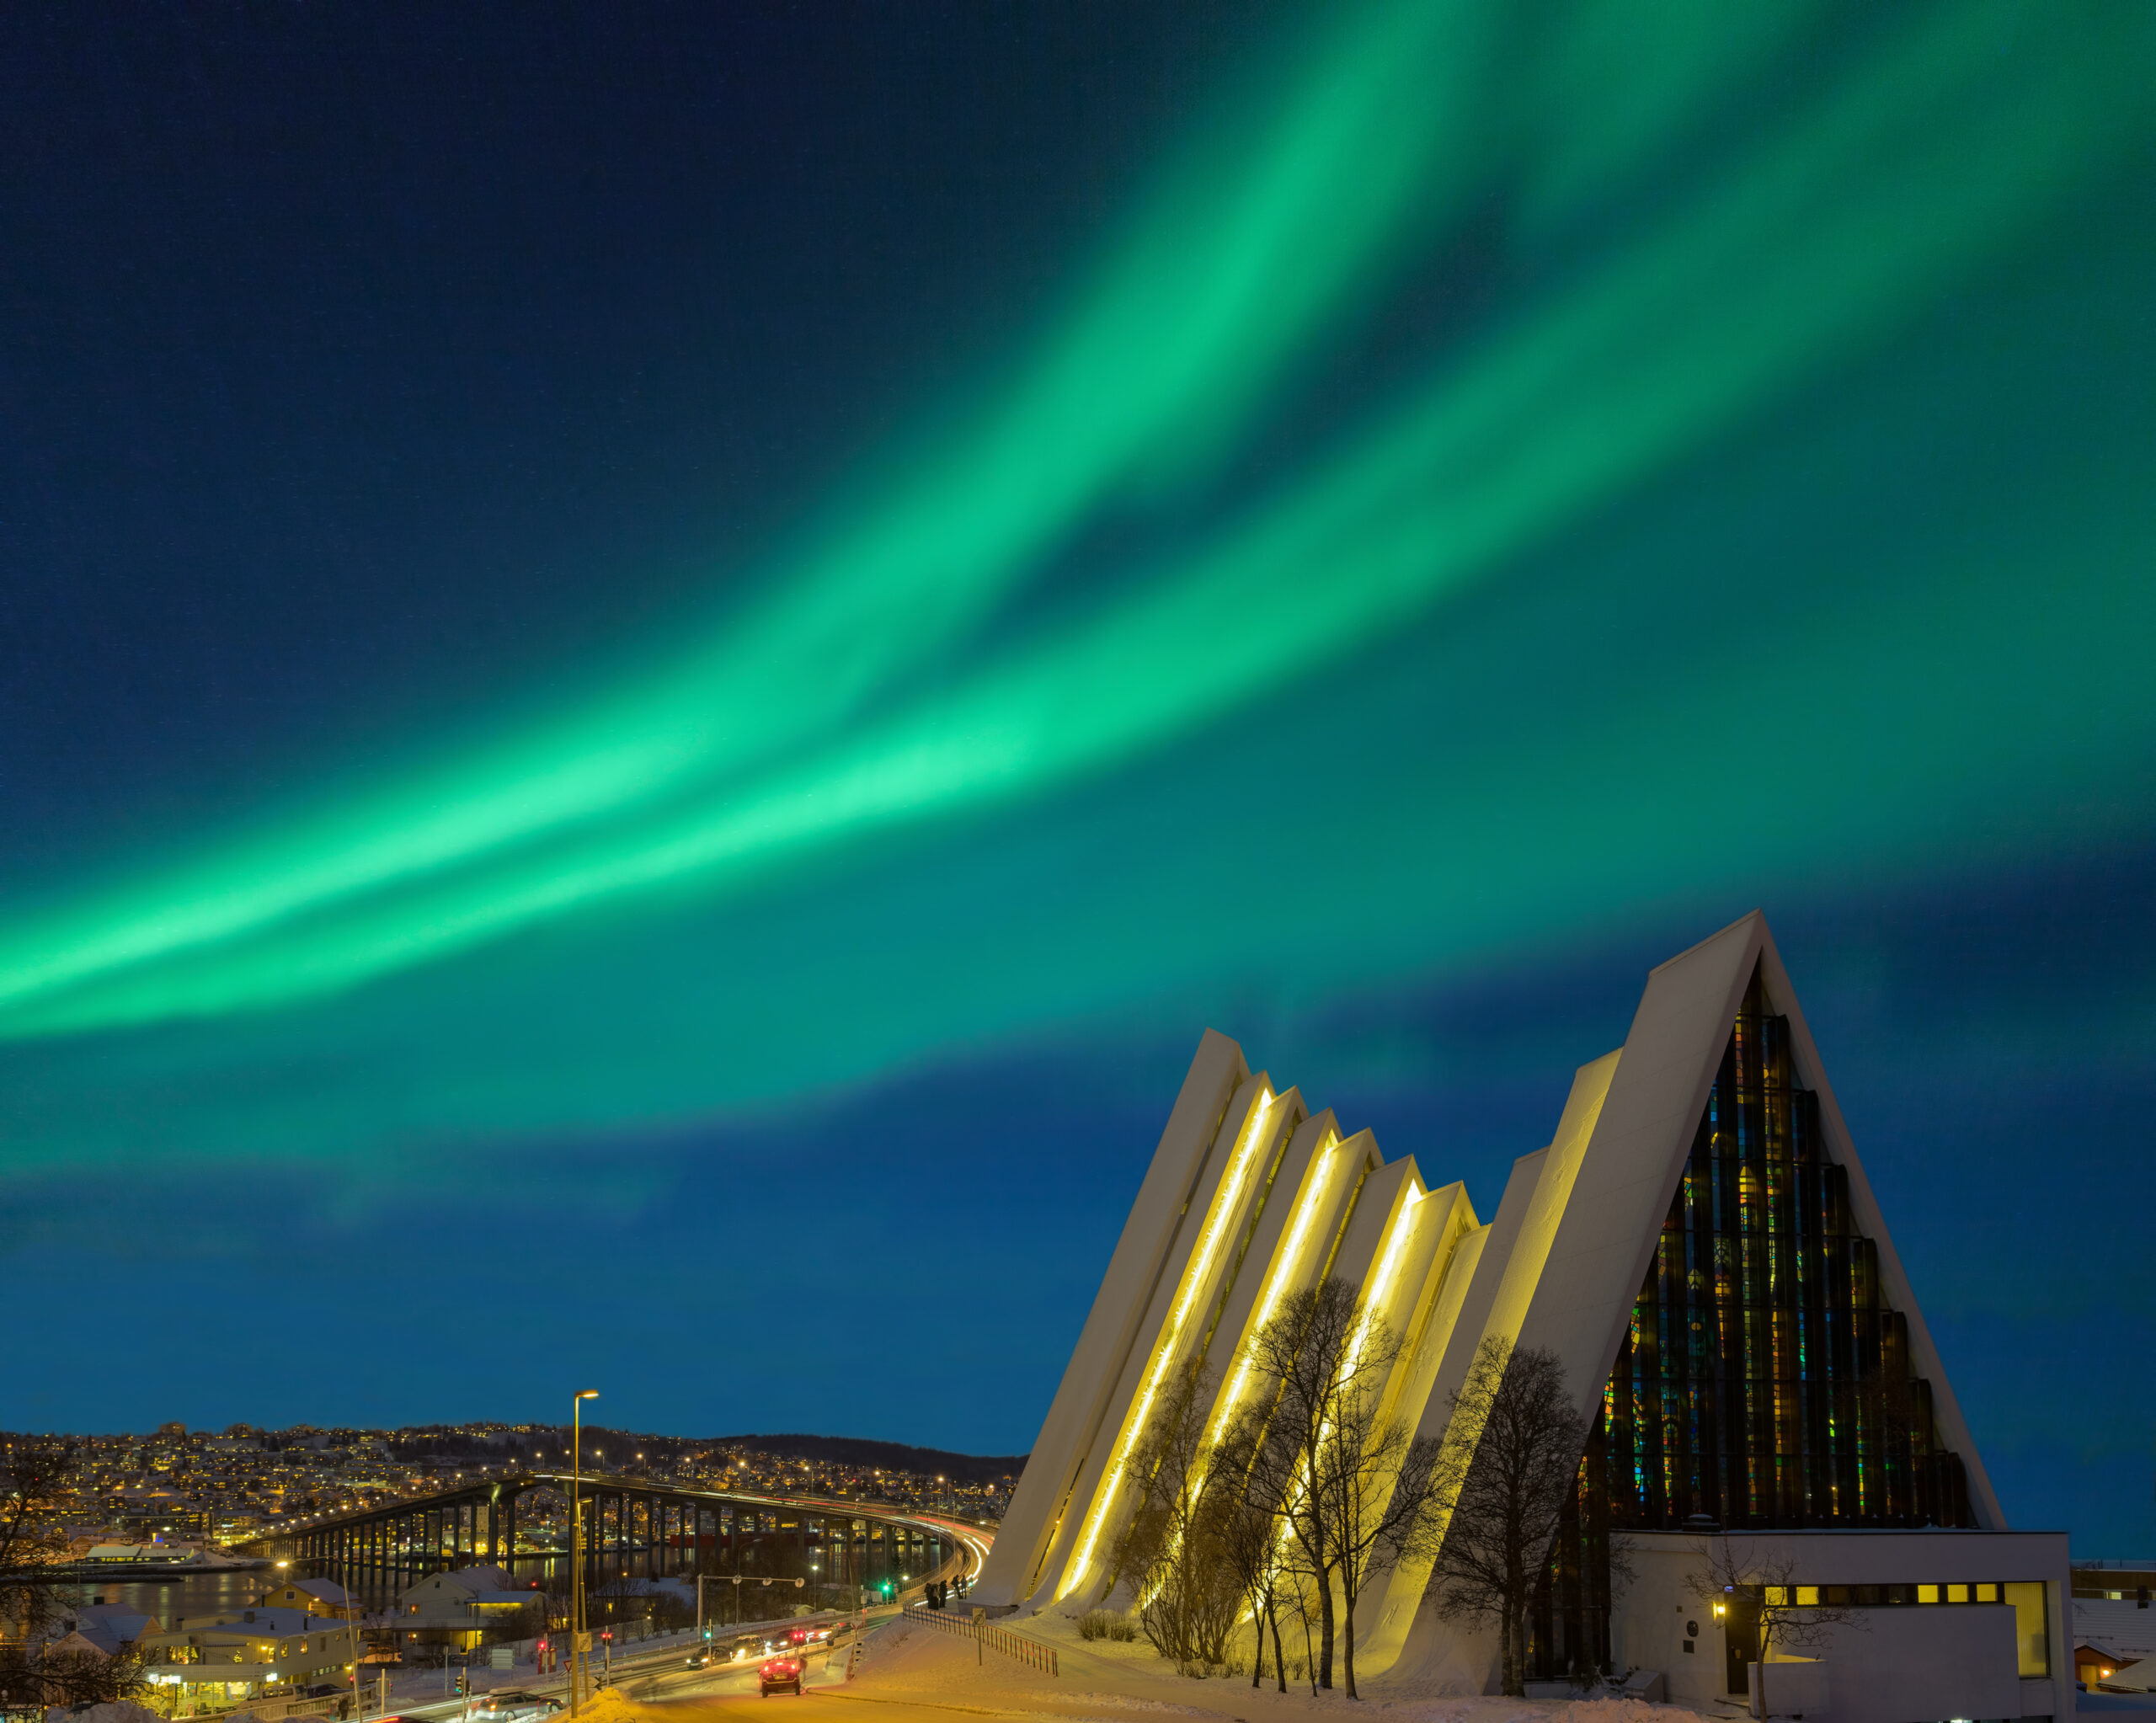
[{"x": 200, "y": 1596}]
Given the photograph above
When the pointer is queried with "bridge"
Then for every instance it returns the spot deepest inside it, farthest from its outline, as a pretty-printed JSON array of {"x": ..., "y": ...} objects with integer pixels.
[{"x": 633, "y": 1528}]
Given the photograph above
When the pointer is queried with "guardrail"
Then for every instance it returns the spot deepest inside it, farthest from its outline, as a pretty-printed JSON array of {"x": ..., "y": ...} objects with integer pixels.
[
  {"x": 282, "y": 1710},
  {"x": 1031, "y": 1652}
]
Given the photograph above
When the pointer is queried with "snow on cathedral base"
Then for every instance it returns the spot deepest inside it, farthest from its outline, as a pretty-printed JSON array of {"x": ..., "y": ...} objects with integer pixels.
[{"x": 1699, "y": 1246}]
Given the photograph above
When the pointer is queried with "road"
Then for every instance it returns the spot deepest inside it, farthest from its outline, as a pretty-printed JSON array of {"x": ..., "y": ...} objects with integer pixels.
[
  {"x": 660, "y": 1674},
  {"x": 820, "y": 1705}
]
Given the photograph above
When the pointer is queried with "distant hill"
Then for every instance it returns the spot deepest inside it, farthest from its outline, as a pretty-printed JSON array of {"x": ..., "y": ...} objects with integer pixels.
[{"x": 893, "y": 1456}]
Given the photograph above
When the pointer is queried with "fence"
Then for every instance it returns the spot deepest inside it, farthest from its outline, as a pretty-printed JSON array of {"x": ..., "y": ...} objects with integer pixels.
[
  {"x": 283, "y": 1710},
  {"x": 1031, "y": 1652}
]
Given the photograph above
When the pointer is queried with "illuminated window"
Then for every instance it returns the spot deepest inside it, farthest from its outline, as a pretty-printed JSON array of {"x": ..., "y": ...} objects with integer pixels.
[
  {"x": 1987, "y": 1594},
  {"x": 1958, "y": 1594},
  {"x": 1927, "y": 1594},
  {"x": 1807, "y": 1595},
  {"x": 2031, "y": 1626}
]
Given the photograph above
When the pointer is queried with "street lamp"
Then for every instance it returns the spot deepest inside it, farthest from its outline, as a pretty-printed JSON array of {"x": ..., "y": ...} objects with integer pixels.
[{"x": 580, "y": 1640}]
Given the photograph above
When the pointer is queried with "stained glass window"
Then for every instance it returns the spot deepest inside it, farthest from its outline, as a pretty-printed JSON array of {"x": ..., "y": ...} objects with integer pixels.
[{"x": 1764, "y": 1381}]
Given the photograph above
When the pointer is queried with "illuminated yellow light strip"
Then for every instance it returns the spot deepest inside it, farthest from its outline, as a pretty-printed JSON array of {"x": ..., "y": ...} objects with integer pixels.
[
  {"x": 1402, "y": 1225},
  {"x": 1276, "y": 1281},
  {"x": 1284, "y": 1263},
  {"x": 1201, "y": 1264}
]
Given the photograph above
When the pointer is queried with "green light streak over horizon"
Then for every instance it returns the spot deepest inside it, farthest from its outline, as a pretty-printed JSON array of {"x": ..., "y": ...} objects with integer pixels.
[
  {"x": 800, "y": 723},
  {"x": 1216, "y": 290}
]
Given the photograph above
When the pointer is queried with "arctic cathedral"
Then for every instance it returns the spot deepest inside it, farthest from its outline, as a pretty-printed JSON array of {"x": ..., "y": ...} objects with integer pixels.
[{"x": 1698, "y": 1245}]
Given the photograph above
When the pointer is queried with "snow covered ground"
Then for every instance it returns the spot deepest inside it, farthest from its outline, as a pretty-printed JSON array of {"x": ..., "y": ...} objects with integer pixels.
[{"x": 1105, "y": 1681}]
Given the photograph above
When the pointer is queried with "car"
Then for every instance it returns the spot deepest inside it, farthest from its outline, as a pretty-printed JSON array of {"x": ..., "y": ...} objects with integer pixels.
[
  {"x": 701, "y": 1658},
  {"x": 779, "y": 1675}
]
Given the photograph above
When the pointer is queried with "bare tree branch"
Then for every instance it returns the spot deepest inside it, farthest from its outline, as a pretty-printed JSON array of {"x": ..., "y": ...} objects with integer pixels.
[
  {"x": 1347, "y": 1481},
  {"x": 1253, "y": 1522},
  {"x": 31, "y": 1609},
  {"x": 1511, "y": 1458},
  {"x": 1170, "y": 1550},
  {"x": 1376, "y": 1483},
  {"x": 1734, "y": 1574}
]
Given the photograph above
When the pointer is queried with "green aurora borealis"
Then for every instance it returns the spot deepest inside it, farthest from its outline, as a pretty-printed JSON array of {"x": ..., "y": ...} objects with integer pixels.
[
  {"x": 1505, "y": 485},
  {"x": 853, "y": 695}
]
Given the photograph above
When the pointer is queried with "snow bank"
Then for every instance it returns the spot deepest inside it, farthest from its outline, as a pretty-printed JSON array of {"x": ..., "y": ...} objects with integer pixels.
[
  {"x": 112, "y": 1711},
  {"x": 610, "y": 1704}
]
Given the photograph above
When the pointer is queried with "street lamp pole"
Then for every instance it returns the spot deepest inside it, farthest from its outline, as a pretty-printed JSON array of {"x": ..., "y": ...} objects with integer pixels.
[{"x": 580, "y": 1640}]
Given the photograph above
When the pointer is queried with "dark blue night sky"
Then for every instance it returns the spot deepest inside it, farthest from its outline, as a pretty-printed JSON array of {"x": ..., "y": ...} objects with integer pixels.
[{"x": 656, "y": 664}]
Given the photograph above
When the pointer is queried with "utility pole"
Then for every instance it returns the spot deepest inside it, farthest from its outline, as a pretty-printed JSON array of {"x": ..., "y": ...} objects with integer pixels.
[
  {"x": 580, "y": 1638},
  {"x": 352, "y": 1621}
]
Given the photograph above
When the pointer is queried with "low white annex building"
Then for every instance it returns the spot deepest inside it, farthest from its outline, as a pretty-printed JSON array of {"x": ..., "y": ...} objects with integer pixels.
[{"x": 1698, "y": 1245}]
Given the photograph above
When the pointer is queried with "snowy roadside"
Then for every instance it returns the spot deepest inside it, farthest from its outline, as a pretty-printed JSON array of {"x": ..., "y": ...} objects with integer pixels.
[{"x": 1106, "y": 1681}]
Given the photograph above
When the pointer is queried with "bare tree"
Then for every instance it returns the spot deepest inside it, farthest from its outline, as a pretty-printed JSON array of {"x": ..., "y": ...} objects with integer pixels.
[
  {"x": 1349, "y": 1482},
  {"x": 1306, "y": 1356},
  {"x": 1511, "y": 1458},
  {"x": 1170, "y": 1549},
  {"x": 1732, "y": 1575},
  {"x": 31, "y": 1544},
  {"x": 1377, "y": 1488},
  {"x": 1295, "y": 1586},
  {"x": 1252, "y": 1523}
]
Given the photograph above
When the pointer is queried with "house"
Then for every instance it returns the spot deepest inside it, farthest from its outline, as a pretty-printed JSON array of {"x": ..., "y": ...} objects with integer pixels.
[
  {"x": 457, "y": 1608},
  {"x": 318, "y": 1597},
  {"x": 2121, "y": 1581},
  {"x": 2115, "y": 1644},
  {"x": 261, "y": 1652},
  {"x": 104, "y": 1628}
]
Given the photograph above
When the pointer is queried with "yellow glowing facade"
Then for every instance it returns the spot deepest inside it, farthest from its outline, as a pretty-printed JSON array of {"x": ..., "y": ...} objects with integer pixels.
[{"x": 1265, "y": 1199}]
